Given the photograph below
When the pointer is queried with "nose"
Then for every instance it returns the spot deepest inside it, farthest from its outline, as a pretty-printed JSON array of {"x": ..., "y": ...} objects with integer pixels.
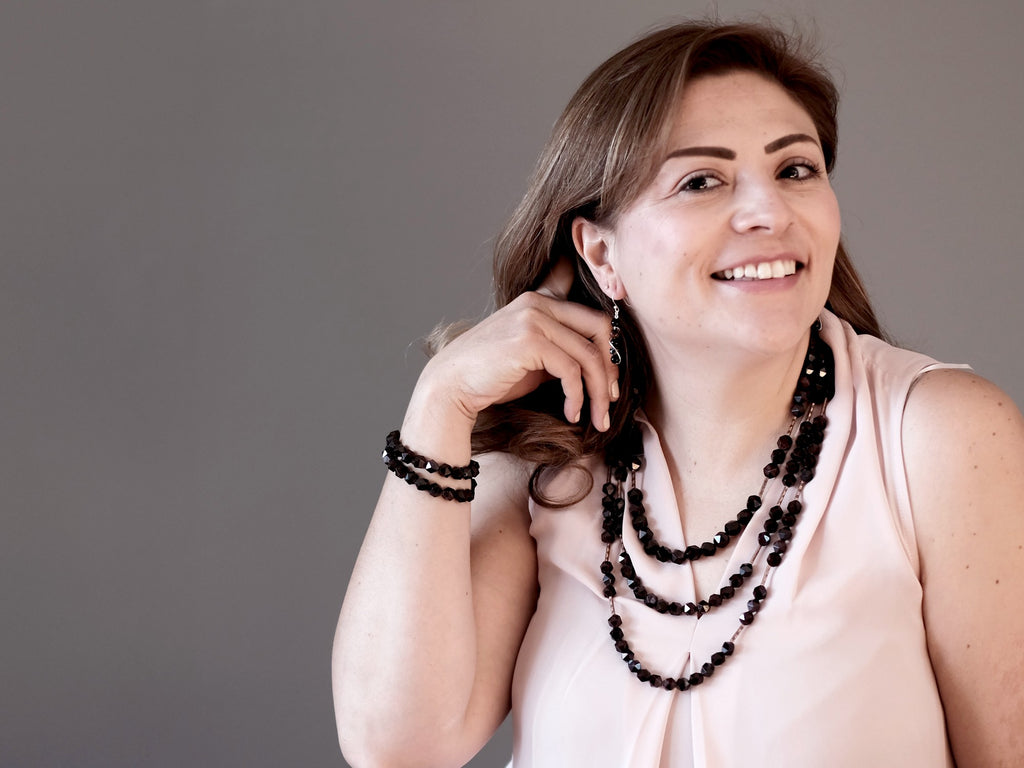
[{"x": 760, "y": 205}]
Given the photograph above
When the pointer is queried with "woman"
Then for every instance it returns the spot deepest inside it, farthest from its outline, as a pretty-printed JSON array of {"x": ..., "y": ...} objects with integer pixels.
[{"x": 676, "y": 309}]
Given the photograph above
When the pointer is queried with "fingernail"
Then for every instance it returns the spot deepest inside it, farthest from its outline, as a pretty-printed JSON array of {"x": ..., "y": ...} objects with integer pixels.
[
  {"x": 607, "y": 421},
  {"x": 576, "y": 419},
  {"x": 615, "y": 389}
]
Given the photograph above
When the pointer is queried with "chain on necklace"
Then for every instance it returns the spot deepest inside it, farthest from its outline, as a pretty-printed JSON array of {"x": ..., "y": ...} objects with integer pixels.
[{"x": 793, "y": 463}]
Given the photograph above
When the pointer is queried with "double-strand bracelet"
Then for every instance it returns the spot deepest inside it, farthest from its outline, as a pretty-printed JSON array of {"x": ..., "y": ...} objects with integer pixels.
[{"x": 404, "y": 462}]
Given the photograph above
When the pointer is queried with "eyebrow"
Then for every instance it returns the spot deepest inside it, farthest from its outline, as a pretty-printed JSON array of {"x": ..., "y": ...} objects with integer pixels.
[
  {"x": 728, "y": 154},
  {"x": 785, "y": 141}
]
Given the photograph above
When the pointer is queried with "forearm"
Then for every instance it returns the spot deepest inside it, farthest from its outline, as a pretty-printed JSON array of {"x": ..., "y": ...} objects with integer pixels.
[{"x": 404, "y": 660}]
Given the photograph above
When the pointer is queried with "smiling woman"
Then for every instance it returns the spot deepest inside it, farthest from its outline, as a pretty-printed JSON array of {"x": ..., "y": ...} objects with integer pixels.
[{"x": 560, "y": 532}]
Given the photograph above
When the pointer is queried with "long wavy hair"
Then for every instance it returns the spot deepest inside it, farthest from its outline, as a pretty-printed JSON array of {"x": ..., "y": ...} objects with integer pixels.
[{"x": 602, "y": 152}]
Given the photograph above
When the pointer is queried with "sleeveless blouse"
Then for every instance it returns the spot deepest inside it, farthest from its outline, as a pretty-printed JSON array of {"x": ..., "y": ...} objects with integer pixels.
[{"x": 834, "y": 670}]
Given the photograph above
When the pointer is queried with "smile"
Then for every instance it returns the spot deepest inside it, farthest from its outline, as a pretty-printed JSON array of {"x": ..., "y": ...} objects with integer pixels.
[{"x": 765, "y": 270}]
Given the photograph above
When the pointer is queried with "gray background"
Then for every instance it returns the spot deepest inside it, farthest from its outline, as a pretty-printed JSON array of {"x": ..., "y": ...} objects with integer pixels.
[{"x": 224, "y": 227}]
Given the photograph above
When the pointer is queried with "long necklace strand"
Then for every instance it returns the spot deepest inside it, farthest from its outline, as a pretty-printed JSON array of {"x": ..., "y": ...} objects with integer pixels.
[{"x": 794, "y": 458}]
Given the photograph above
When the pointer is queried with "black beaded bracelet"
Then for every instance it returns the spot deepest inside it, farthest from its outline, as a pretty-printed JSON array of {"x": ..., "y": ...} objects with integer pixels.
[
  {"x": 403, "y": 463},
  {"x": 394, "y": 446}
]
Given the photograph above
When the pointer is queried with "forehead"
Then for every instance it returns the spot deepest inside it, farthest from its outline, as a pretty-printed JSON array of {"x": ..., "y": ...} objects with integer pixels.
[{"x": 736, "y": 105}]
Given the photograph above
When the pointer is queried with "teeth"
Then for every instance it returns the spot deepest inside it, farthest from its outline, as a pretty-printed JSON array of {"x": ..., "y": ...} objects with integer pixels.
[{"x": 765, "y": 270}]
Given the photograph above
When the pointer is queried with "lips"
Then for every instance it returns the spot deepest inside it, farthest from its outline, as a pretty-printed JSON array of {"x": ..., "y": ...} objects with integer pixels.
[{"x": 760, "y": 270}]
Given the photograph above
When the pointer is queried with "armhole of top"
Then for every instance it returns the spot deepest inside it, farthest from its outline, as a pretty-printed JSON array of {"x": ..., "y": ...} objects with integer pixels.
[{"x": 896, "y": 470}]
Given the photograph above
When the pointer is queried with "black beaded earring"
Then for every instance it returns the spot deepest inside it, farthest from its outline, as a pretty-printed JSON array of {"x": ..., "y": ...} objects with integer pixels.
[{"x": 614, "y": 350}]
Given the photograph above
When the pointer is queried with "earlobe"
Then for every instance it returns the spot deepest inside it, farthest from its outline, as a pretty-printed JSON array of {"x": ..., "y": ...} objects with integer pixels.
[{"x": 592, "y": 243}]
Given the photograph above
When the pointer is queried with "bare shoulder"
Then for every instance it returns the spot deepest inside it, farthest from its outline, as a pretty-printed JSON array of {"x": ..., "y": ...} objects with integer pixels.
[{"x": 963, "y": 441}]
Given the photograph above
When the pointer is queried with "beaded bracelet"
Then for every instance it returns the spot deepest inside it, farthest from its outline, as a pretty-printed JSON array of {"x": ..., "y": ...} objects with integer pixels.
[{"x": 402, "y": 462}]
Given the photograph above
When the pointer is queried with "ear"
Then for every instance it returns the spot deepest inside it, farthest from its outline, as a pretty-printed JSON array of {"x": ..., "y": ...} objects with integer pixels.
[{"x": 593, "y": 243}]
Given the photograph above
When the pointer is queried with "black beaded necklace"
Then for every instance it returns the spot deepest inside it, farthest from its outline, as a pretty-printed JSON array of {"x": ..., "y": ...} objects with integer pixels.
[{"x": 794, "y": 458}]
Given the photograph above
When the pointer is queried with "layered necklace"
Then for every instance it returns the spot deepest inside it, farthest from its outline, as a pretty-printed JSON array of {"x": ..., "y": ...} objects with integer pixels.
[{"x": 792, "y": 465}]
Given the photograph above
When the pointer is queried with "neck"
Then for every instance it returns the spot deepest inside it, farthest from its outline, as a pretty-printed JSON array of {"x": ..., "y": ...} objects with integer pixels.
[{"x": 717, "y": 414}]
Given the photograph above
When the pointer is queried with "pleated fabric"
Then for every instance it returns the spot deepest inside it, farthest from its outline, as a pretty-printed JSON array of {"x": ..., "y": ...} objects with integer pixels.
[{"x": 833, "y": 672}]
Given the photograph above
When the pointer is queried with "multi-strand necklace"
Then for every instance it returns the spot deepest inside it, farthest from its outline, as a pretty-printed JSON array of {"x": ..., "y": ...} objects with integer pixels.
[{"x": 792, "y": 462}]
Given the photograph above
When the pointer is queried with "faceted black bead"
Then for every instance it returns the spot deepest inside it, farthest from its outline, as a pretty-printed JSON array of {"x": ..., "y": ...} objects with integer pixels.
[
  {"x": 736, "y": 580},
  {"x": 764, "y": 539},
  {"x": 721, "y": 539},
  {"x": 447, "y": 494},
  {"x": 703, "y": 607},
  {"x": 678, "y": 556},
  {"x": 640, "y": 592},
  {"x": 609, "y": 591},
  {"x": 789, "y": 480},
  {"x": 780, "y": 547},
  {"x": 775, "y": 512},
  {"x": 643, "y": 675},
  {"x": 785, "y": 442},
  {"x": 746, "y": 569},
  {"x": 727, "y": 592},
  {"x": 433, "y": 489},
  {"x": 753, "y": 503},
  {"x": 664, "y": 554},
  {"x": 616, "y": 633},
  {"x": 778, "y": 456},
  {"x": 669, "y": 684},
  {"x": 788, "y": 519},
  {"x": 707, "y": 669},
  {"x": 708, "y": 548},
  {"x": 621, "y": 646},
  {"x": 690, "y": 609},
  {"x": 714, "y": 599},
  {"x": 655, "y": 681},
  {"x": 634, "y": 665},
  {"x": 732, "y": 528},
  {"x": 728, "y": 647},
  {"x": 615, "y": 620},
  {"x": 747, "y": 618},
  {"x": 795, "y": 506},
  {"x": 608, "y": 578},
  {"x": 718, "y": 658},
  {"x": 792, "y": 466},
  {"x": 607, "y": 537},
  {"x": 682, "y": 684},
  {"x": 770, "y": 526},
  {"x": 693, "y": 552},
  {"x": 744, "y": 517},
  {"x": 806, "y": 475},
  {"x": 607, "y": 567},
  {"x": 675, "y": 609},
  {"x": 753, "y": 606},
  {"x": 635, "y": 496},
  {"x": 820, "y": 422},
  {"x": 760, "y": 592},
  {"x": 662, "y": 606},
  {"x": 620, "y": 473},
  {"x": 696, "y": 678},
  {"x": 774, "y": 559},
  {"x": 770, "y": 471}
]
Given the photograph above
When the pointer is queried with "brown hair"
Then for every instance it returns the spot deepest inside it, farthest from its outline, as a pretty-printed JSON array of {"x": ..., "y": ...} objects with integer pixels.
[{"x": 601, "y": 154}]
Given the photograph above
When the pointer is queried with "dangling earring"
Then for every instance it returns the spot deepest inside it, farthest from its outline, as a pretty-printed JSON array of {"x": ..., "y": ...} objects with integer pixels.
[{"x": 614, "y": 350}]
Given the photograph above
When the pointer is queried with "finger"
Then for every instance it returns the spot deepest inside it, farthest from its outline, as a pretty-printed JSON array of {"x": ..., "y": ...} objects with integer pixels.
[
  {"x": 559, "y": 281},
  {"x": 595, "y": 326},
  {"x": 589, "y": 371}
]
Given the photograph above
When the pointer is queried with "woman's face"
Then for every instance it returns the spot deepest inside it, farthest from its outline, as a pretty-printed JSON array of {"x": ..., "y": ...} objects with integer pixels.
[{"x": 734, "y": 240}]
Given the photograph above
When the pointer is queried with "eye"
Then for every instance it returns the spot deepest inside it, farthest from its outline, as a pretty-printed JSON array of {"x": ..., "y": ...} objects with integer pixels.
[
  {"x": 800, "y": 170},
  {"x": 702, "y": 181}
]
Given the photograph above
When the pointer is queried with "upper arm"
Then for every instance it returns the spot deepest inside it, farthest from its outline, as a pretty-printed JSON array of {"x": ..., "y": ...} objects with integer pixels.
[
  {"x": 964, "y": 449},
  {"x": 503, "y": 565}
]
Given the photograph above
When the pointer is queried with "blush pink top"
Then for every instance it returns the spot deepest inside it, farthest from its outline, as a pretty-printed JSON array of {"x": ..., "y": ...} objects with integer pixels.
[{"x": 834, "y": 671}]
